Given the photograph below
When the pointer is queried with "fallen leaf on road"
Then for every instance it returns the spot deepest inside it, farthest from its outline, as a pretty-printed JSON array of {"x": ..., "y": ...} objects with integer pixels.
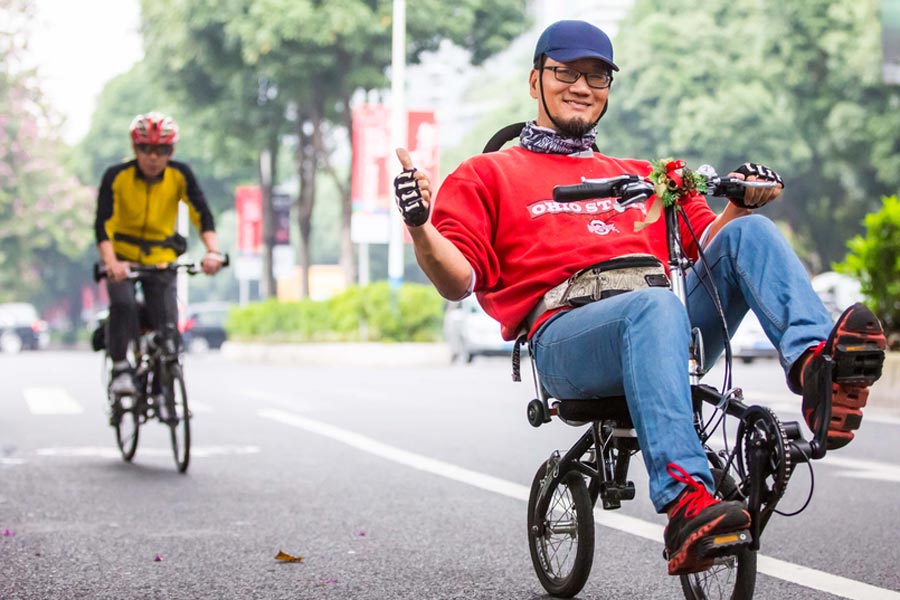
[{"x": 285, "y": 557}]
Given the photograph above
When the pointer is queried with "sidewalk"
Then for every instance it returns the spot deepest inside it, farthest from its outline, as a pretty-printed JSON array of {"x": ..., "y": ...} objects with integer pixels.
[{"x": 886, "y": 393}]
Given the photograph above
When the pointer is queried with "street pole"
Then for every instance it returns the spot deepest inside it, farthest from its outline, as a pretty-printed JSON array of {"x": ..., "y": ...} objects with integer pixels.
[{"x": 398, "y": 137}]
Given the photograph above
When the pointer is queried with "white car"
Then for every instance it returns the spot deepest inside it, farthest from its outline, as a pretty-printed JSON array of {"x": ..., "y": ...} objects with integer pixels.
[
  {"x": 470, "y": 332},
  {"x": 749, "y": 341},
  {"x": 21, "y": 328},
  {"x": 837, "y": 291}
]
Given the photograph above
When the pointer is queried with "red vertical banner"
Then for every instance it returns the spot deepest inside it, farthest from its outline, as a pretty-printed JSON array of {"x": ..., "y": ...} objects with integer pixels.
[
  {"x": 373, "y": 161},
  {"x": 369, "y": 182},
  {"x": 424, "y": 148},
  {"x": 423, "y": 143},
  {"x": 248, "y": 205}
]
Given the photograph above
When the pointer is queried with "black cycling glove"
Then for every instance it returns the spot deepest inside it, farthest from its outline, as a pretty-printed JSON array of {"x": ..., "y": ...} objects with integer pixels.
[
  {"x": 409, "y": 199},
  {"x": 736, "y": 193},
  {"x": 759, "y": 171}
]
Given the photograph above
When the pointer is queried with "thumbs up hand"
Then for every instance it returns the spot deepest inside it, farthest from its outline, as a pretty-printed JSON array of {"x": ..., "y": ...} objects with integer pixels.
[{"x": 412, "y": 191}]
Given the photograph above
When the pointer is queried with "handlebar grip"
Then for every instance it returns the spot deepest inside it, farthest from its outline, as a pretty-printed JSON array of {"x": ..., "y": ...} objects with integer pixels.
[
  {"x": 732, "y": 189},
  {"x": 581, "y": 191}
]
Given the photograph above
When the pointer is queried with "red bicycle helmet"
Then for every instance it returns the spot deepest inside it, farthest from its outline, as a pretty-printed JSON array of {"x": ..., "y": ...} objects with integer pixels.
[{"x": 154, "y": 128}]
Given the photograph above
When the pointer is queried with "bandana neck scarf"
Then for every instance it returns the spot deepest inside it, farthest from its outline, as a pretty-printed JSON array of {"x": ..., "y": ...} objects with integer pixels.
[{"x": 549, "y": 141}]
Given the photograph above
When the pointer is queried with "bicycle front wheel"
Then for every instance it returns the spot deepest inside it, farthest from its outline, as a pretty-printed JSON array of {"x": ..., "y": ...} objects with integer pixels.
[
  {"x": 731, "y": 577},
  {"x": 127, "y": 422},
  {"x": 178, "y": 418},
  {"x": 561, "y": 540}
]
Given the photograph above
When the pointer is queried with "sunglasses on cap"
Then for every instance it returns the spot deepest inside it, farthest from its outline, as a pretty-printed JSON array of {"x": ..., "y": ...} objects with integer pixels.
[{"x": 158, "y": 149}]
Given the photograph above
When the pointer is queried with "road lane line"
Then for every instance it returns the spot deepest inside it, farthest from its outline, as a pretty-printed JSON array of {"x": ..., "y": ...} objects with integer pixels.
[
  {"x": 51, "y": 401},
  {"x": 864, "y": 469},
  {"x": 112, "y": 452},
  {"x": 786, "y": 571}
]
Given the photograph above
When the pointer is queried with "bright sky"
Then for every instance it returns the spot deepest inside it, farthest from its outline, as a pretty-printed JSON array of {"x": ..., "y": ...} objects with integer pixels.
[{"x": 79, "y": 46}]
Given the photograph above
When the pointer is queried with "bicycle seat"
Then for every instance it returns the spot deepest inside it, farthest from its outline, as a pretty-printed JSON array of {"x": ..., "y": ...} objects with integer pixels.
[{"x": 596, "y": 409}]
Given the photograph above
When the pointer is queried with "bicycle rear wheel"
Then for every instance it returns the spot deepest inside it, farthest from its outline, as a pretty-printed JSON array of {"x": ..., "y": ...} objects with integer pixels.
[
  {"x": 563, "y": 552},
  {"x": 127, "y": 423},
  {"x": 178, "y": 418},
  {"x": 730, "y": 577}
]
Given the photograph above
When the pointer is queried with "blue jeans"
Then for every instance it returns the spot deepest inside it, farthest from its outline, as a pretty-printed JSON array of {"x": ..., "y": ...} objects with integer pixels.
[{"x": 636, "y": 344}]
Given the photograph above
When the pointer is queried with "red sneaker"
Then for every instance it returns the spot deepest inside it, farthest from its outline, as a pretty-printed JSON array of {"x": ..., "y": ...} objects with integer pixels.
[
  {"x": 696, "y": 514},
  {"x": 856, "y": 347}
]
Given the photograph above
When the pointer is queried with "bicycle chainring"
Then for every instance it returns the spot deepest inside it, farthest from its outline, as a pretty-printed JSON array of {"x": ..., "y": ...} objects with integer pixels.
[{"x": 760, "y": 427}]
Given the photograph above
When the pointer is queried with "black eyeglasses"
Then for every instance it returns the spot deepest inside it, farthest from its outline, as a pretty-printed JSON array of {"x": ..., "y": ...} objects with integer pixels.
[
  {"x": 598, "y": 81},
  {"x": 158, "y": 149}
]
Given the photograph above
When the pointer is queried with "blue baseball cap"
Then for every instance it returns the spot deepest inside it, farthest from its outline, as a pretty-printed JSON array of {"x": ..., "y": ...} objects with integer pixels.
[{"x": 565, "y": 41}]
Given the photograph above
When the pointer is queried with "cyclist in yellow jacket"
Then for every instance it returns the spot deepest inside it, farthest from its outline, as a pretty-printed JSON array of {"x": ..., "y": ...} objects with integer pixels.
[{"x": 137, "y": 212}]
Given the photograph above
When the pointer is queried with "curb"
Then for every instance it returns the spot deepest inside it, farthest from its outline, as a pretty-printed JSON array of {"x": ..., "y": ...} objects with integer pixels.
[{"x": 886, "y": 392}]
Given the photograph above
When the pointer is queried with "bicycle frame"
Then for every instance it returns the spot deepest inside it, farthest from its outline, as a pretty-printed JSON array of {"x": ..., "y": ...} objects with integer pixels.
[
  {"x": 609, "y": 444},
  {"x": 158, "y": 366}
]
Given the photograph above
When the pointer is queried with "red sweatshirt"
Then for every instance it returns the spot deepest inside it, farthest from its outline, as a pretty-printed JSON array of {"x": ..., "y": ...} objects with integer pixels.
[{"x": 498, "y": 209}]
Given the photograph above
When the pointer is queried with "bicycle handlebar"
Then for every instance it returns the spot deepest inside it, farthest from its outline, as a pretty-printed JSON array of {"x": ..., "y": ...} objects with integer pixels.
[
  {"x": 629, "y": 189},
  {"x": 135, "y": 271}
]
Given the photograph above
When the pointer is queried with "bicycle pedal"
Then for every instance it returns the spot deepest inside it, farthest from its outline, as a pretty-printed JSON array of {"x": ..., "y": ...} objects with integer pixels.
[
  {"x": 612, "y": 494},
  {"x": 724, "y": 544},
  {"x": 861, "y": 364}
]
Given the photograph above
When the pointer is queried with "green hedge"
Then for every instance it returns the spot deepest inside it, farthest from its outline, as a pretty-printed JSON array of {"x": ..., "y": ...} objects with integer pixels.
[{"x": 370, "y": 313}]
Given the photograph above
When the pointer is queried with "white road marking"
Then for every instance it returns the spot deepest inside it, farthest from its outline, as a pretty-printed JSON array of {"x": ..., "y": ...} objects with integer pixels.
[
  {"x": 51, "y": 401},
  {"x": 112, "y": 452},
  {"x": 811, "y": 578},
  {"x": 864, "y": 469}
]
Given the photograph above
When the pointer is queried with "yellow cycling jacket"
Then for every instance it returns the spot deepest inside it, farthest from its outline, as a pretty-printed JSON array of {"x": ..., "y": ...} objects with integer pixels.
[{"x": 140, "y": 216}]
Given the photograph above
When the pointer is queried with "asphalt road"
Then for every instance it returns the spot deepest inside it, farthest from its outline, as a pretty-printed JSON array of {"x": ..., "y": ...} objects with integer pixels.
[{"x": 388, "y": 482}]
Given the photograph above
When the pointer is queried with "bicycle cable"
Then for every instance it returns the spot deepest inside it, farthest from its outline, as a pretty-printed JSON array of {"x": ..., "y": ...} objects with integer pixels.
[
  {"x": 713, "y": 294},
  {"x": 812, "y": 483}
]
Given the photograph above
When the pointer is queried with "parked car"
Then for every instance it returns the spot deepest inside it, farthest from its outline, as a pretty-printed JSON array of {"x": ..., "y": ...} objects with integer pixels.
[
  {"x": 470, "y": 332},
  {"x": 21, "y": 328},
  {"x": 837, "y": 291},
  {"x": 204, "y": 326},
  {"x": 749, "y": 341}
]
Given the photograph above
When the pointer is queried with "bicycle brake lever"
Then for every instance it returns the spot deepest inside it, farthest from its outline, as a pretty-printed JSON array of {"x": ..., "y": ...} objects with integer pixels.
[{"x": 634, "y": 192}]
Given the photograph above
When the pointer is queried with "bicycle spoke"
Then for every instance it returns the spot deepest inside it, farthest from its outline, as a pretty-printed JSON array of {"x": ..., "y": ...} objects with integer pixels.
[{"x": 560, "y": 537}]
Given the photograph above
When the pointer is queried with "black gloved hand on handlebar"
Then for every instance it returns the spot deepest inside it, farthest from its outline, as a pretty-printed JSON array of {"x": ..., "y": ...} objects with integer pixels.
[
  {"x": 759, "y": 171},
  {"x": 409, "y": 199}
]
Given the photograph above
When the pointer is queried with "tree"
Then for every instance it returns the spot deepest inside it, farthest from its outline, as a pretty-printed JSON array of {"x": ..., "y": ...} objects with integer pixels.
[
  {"x": 796, "y": 86},
  {"x": 314, "y": 55},
  {"x": 793, "y": 85},
  {"x": 43, "y": 209},
  {"x": 218, "y": 163},
  {"x": 874, "y": 259}
]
